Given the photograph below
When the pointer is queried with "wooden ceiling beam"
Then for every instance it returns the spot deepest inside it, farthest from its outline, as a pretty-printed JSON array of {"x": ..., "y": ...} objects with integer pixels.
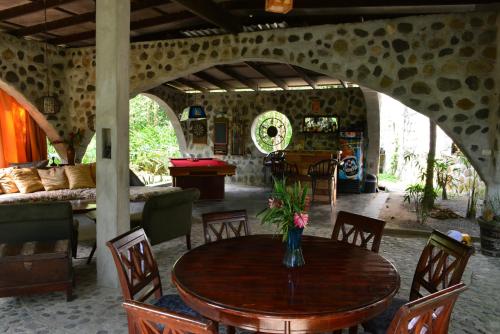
[
  {"x": 267, "y": 74},
  {"x": 78, "y": 19},
  {"x": 145, "y": 23},
  {"x": 213, "y": 13},
  {"x": 238, "y": 77},
  {"x": 191, "y": 84},
  {"x": 30, "y": 7},
  {"x": 175, "y": 85},
  {"x": 214, "y": 81},
  {"x": 301, "y": 73}
]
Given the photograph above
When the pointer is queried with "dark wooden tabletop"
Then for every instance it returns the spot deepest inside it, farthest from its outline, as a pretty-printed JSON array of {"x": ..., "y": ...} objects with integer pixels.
[{"x": 241, "y": 282}]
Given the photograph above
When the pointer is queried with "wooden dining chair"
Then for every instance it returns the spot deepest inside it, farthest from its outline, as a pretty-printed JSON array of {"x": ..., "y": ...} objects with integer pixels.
[
  {"x": 138, "y": 272},
  {"x": 429, "y": 314},
  {"x": 441, "y": 265},
  {"x": 358, "y": 230},
  {"x": 322, "y": 170},
  {"x": 147, "y": 319},
  {"x": 225, "y": 224}
]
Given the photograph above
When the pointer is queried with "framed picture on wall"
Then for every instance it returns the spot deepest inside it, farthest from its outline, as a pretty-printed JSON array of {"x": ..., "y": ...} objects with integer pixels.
[
  {"x": 221, "y": 135},
  {"x": 199, "y": 131}
]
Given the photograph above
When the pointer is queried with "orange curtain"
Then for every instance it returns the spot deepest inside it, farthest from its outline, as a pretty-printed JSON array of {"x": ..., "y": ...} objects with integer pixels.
[{"x": 21, "y": 139}]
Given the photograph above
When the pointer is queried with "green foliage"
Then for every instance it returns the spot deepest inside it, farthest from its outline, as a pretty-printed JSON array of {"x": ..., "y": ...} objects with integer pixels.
[
  {"x": 266, "y": 147},
  {"x": 283, "y": 204},
  {"x": 394, "y": 159},
  {"x": 414, "y": 194},
  {"x": 152, "y": 138},
  {"x": 388, "y": 177},
  {"x": 444, "y": 169},
  {"x": 470, "y": 185}
]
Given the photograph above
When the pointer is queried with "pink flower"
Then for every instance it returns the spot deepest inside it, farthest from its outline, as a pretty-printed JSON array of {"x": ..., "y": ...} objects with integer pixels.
[
  {"x": 275, "y": 203},
  {"x": 300, "y": 219}
]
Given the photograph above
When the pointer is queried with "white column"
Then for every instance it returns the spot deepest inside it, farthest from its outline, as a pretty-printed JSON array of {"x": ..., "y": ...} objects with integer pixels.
[
  {"x": 373, "y": 130},
  {"x": 112, "y": 113}
]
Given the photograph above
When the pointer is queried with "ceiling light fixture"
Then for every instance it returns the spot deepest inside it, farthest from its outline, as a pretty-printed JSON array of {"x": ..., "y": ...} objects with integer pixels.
[
  {"x": 279, "y": 6},
  {"x": 47, "y": 104}
]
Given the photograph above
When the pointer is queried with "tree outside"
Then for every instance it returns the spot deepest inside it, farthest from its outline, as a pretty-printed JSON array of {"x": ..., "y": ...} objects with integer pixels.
[{"x": 152, "y": 141}]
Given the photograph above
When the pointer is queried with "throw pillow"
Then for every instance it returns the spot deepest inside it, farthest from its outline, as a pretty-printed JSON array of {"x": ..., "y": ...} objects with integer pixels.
[
  {"x": 53, "y": 178},
  {"x": 6, "y": 182},
  {"x": 79, "y": 176},
  {"x": 27, "y": 180}
]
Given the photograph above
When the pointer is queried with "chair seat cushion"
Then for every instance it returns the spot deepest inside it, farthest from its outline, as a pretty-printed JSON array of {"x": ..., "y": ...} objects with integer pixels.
[
  {"x": 380, "y": 323},
  {"x": 176, "y": 304}
]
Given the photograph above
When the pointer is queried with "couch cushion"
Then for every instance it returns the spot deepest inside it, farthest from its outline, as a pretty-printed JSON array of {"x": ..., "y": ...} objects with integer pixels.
[
  {"x": 53, "y": 178},
  {"x": 79, "y": 176},
  {"x": 27, "y": 180},
  {"x": 6, "y": 182}
]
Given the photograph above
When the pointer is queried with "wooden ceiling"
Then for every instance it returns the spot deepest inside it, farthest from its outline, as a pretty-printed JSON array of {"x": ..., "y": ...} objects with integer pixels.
[
  {"x": 254, "y": 76},
  {"x": 71, "y": 23}
]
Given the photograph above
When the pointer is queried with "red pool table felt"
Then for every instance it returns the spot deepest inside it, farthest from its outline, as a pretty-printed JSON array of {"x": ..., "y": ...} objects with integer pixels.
[{"x": 204, "y": 162}]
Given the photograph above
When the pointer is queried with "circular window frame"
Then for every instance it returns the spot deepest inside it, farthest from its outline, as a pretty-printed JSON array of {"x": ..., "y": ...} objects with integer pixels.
[{"x": 254, "y": 130}]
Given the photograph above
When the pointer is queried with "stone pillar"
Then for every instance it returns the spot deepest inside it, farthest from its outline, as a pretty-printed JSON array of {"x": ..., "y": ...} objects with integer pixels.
[
  {"x": 112, "y": 114},
  {"x": 372, "y": 156}
]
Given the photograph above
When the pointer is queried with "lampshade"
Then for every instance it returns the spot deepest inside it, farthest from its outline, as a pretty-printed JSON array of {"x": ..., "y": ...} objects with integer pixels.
[
  {"x": 193, "y": 113},
  {"x": 48, "y": 105},
  {"x": 279, "y": 6}
]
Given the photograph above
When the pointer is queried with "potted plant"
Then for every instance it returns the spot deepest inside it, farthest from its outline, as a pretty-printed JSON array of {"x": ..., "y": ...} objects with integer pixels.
[
  {"x": 287, "y": 211},
  {"x": 489, "y": 224}
]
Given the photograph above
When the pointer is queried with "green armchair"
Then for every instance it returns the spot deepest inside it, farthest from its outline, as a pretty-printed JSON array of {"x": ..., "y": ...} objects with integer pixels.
[
  {"x": 36, "y": 222},
  {"x": 168, "y": 216}
]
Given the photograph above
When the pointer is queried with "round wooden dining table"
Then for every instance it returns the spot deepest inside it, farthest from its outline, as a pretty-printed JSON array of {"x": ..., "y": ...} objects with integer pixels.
[{"x": 241, "y": 282}]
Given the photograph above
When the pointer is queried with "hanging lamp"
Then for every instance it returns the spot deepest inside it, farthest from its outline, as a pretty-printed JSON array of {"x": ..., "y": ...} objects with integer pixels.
[
  {"x": 47, "y": 104},
  {"x": 193, "y": 113},
  {"x": 279, "y": 6}
]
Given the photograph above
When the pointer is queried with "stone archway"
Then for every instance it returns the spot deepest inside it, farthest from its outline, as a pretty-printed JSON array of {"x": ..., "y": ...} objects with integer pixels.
[
  {"x": 181, "y": 139},
  {"x": 37, "y": 116}
]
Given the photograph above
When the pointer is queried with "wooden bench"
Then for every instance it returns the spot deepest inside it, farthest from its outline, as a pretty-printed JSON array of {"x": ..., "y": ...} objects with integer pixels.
[{"x": 35, "y": 267}]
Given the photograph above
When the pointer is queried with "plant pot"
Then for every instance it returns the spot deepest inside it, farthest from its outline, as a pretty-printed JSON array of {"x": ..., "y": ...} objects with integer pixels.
[{"x": 490, "y": 237}]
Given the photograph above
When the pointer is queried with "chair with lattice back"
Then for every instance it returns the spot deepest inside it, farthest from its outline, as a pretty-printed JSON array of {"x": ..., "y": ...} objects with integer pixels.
[
  {"x": 358, "y": 230},
  {"x": 225, "y": 224},
  {"x": 322, "y": 170},
  {"x": 138, "y": 272},
  {"x": 148, "y": 319},
  {"x": 441, "y": 265},
  {"x": 429, "y": 314}
]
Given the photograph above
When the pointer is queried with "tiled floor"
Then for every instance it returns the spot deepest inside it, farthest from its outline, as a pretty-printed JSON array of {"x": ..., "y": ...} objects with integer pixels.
[{"x": 98, "y": 310}]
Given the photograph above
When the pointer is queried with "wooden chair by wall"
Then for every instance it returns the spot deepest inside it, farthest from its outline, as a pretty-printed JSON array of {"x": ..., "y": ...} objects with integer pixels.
[
  {"x": 147, "y": 319},
  {"x": 284, "y": 169},
  {"x": 358, "y": 230},
  {"x": 430, "y": 314},
  {"x": 441, "y": 265},
  {"x": 138, "y": 272},
  {"x": 225, "y": 224},
  {"x": 322, "y": 170}
]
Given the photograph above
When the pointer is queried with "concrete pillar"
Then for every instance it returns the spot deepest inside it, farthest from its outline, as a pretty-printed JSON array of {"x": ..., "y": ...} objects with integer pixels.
[
  {"x": 372, "y": 157},
  {"x": 112, "y": 114}
]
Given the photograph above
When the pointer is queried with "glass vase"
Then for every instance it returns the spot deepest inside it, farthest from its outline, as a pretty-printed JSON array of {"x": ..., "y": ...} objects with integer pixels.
[{"x": 293, "y": 252}]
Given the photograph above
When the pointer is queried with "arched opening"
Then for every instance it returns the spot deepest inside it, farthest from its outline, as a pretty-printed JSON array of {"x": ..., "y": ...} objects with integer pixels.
[{"x": 23, "y": 129}]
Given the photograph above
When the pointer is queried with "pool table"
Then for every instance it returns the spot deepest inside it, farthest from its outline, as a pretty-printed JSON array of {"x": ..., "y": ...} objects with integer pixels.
[{"x": 206, "y": 174}]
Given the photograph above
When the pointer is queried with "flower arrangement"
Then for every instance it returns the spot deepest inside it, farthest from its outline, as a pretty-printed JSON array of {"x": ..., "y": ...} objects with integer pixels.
[{"x": 287, "y": 208}]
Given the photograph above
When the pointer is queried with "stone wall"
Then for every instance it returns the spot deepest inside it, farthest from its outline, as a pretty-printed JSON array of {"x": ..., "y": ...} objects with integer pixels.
[
  {"x": 347, "y": 104},
  {"x": 440, "y": 65}
]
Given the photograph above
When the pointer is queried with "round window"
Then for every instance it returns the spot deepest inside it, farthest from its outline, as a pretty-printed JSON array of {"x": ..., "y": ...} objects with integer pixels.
[{"x": 271, "y": 131}]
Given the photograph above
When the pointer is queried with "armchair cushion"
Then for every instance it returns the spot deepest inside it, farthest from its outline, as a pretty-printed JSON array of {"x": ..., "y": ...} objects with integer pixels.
[{"x": 175, "y": 303}]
